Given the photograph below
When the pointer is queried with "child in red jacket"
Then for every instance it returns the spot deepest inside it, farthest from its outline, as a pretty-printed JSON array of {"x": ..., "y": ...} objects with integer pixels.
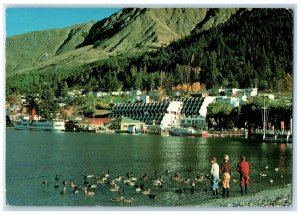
[{"x": 244, "y": 168}]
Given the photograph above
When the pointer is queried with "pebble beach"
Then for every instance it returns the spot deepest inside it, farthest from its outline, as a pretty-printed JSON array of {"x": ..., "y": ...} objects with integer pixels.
[{"x": 278, "y": 197}]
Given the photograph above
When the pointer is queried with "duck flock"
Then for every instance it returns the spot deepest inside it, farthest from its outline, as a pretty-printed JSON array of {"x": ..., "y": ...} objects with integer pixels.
[{"x": 124, "y": 186}]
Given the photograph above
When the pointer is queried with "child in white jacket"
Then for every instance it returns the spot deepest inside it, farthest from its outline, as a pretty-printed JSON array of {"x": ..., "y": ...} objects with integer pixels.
[{"x": 215, "y": 170}]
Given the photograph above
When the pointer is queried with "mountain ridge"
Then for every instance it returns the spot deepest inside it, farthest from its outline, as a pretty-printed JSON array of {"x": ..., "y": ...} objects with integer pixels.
[{"x": 127, "y": 32}]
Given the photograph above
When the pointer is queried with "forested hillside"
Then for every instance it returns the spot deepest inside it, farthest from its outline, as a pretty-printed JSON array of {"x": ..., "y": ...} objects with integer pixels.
[{"x": 243, "y": 48}]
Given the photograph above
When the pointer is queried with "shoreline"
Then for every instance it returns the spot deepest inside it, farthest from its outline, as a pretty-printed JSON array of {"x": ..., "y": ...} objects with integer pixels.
[{"x": 277, "y": 197}]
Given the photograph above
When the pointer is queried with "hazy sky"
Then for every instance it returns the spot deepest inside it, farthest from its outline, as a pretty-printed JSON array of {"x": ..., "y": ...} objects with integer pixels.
[{"x": 23, "y": 20}]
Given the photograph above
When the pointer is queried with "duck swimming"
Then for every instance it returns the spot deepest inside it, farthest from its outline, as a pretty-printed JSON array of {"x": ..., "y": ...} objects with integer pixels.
[
  {"x": 152, "y": 196},
  {"x": 115, "y": 188},
  {"x": 75, "y": 190},
  {"x": 64, "y": 182},
  {"x": 179, "y": 191},
  {"x": 107, "y": 174},
  {"x": 117, "y": 199},
  {"x": 262, "y": 174},
  {"x": 157, "y": 182},
  {"x": 45, "y": 182},
  {"x": 146, "y": 192},
  {"x": 119, "y": 178},
  {"x": 89, "y": 193},
  {"x": 73, "y": 184},
  {"x": 199, "y": 178},
  {"x": 64, "y": 191},
  {"x": 138, "y": 189},
  {"x": 130, "y": 200}
]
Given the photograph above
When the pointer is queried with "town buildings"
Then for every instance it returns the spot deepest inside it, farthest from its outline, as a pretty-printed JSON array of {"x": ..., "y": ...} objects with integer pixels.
[{"x": 145, "y": 109}]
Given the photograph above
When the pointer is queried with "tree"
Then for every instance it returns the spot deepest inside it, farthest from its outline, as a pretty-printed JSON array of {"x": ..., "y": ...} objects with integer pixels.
[
  {"x": 179, "y": 78},
  {"x": 219, "y": 115},
  {"x": 65, "y": 89},
  {"x": 184, "y": 88},
  {"x": 12, "y": 99},
  {"x": 196, "y": 87},
  {"x": 214, "y": 71},
  {"x": 161, "y": 93},
  {"x": 263, "y": 85},
  {"x": 152, "y": 77},
  {"x": 133, "y": 74},
  {"x": 289, "y": 82},
  {"x": 278, "y": 110},
  {"x": 178, "y": 87},
  {"x": 48, "y": 106},
  {"x": 111, "y": 81},
  {"x": 138, "y": 81}
]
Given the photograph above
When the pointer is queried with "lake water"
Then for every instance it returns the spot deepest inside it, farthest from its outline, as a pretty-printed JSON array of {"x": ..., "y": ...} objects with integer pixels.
[{"x": 32, "y": 156}]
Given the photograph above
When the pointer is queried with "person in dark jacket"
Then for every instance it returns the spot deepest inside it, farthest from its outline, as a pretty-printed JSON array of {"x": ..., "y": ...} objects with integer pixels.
[
  {"x": 244, "y": 168},
  {"x": 226, "y": 172}
]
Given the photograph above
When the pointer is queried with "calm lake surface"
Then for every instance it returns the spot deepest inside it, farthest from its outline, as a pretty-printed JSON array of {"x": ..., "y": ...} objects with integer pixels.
[{"x": 32, "y": 156}]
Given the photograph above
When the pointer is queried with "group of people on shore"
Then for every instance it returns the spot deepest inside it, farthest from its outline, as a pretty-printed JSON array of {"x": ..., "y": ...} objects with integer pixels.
[{"x": 243, "y": 168}]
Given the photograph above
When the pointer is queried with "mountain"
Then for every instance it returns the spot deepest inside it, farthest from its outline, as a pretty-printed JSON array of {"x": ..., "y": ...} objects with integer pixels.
[
  {"x": 27, "y": 51},
  {"x": 129, "y": 32},
  {"x": 148, "y": 48}
]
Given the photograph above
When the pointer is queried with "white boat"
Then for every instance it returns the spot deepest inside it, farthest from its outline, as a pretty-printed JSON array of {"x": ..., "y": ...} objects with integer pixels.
[
  {"x": 177, "y": 131},
  {"x": 53, "y": 125}
]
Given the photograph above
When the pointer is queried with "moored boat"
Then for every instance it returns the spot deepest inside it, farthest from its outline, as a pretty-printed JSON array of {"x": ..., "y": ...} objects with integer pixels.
[
  {"x": 53, "y": 125},
  {"x": 178, "y": 131}
]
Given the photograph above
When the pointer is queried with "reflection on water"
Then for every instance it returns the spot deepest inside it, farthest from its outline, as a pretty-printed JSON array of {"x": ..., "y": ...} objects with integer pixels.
[
  {"x": 33, "y": 156},
  {"x": 282, "y": 159}
]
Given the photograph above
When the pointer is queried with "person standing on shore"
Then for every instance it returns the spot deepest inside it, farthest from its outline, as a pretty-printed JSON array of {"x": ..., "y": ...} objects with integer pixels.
[
  {"x": 226, "y": 171},
  {"x": 214, "y": 176},
  {"x": 244, "y": 168}
]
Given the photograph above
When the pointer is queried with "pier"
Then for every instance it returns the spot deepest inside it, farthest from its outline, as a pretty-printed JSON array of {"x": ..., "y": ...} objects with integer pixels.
[{"x": 230, "y": 133}]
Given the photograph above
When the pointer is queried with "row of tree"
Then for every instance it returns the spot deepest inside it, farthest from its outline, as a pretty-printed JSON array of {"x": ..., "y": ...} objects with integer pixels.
[{"x": 224, "y": 116}]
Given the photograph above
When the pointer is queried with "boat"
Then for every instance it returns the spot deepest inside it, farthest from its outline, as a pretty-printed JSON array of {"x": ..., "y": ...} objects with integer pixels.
[
  {"x": 178, "y": 131},
  {"x": 41, "y": 125}
]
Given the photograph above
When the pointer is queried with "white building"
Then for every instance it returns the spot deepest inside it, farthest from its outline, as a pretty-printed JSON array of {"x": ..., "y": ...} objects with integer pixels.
[
  {"x": 271, "y": 96},
  {"x": 100, "y": 94},
  {"x": 235, "y": 102},
  {"x": 165, "y": 113},
  {"x": 141, "y": 98},
  {"x": 115, "y": 93},
  {"x": 172, "y": 115},
  {"x": 176, "y": 93},
  {"x": 243, "y": 98},
  {"x": 231, "y": 91},
  {"x": 251, "y": 92},
  {"x": 208, "y": 100}
]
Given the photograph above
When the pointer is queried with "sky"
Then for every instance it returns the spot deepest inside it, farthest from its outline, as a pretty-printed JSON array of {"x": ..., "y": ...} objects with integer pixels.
[{"x": 21, "y": 20}]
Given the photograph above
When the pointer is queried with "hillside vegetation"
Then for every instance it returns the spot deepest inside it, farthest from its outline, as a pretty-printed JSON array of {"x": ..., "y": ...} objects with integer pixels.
[{"x": 147, "y": 48}]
